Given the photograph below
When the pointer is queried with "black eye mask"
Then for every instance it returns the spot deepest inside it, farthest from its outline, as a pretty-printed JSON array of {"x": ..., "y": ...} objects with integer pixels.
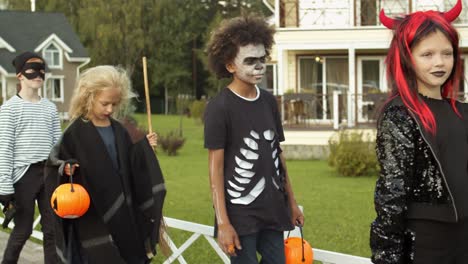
[{"x": 38, "y": 67}]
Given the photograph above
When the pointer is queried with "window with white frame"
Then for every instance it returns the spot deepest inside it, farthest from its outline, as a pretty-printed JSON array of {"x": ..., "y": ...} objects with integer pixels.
[
  {"x": 53, "y": 56},
  {"x": 54, "y": 87},
  {"x": 310, "y": 74},
  {"x": 366, "y": 12},
  {"x": 322, "y": 76},
  {"x": 371, "y": 86}
]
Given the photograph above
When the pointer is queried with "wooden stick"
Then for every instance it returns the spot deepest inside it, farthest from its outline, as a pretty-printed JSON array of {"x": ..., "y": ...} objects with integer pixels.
[{"x": 147, "y": 96}]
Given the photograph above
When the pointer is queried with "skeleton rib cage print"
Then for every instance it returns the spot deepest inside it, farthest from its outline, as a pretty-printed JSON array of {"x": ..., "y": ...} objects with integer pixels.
[{"x": 257, "y": 149}]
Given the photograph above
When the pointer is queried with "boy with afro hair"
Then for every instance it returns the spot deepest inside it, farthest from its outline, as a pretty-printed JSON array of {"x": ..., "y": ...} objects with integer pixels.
[{"x": 252, "y": 196}]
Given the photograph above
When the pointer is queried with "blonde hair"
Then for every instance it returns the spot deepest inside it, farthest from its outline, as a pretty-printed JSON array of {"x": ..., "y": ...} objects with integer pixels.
[{"x": 95, "y": 80}]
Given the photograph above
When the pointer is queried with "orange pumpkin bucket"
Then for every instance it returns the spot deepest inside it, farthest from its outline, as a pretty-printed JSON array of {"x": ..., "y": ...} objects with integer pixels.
[
  {"x": 297, "y": 250},
  {"x": 70, "y": 200}
]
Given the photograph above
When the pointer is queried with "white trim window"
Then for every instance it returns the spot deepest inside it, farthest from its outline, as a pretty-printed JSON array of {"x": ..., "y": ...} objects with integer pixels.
[
  {"x": 54, "y": 88},
  {"x": 53, "y": 56},
  {"x": 321, "y": 76},
  {"x": 371, "y": 86}
]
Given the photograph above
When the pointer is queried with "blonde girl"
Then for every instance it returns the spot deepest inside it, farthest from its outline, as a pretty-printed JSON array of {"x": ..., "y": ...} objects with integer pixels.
[{"x": 123, "y": 179}]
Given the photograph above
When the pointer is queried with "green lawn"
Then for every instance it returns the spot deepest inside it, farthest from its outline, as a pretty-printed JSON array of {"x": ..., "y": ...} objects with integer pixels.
[{"x": 338, "y": 210}]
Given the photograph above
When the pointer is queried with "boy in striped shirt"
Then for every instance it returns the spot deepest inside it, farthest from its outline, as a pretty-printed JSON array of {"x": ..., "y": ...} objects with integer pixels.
[{"x": 29, "y": 127}]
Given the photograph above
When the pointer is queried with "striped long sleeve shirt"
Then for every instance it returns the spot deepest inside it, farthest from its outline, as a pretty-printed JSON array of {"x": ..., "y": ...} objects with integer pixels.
[{"x": 28, "y": 131}]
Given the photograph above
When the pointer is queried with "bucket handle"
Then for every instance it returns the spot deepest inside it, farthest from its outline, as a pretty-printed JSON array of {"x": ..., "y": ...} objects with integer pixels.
[
  {"x": 302, "y": 241},
  {"x": 71, "y": 163}
]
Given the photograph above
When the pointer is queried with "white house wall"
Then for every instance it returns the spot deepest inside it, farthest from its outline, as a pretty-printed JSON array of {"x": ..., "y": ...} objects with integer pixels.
[
  {"x": 442, "y": 6},
  {"x": 395, "y": 7},
  {"x": 340, "y": 13},
  {"x": 321, "y": 42},
  {"x": 328, "y": 28},
  {"x": 334, "y": 13},
  {"x": 292, "y": 70},
  {"x": 430, "y": 5},
  {"x": 314, "y": 42},
  {"x": 369, "y": 37},
  {"x": 352, "y": 43}
]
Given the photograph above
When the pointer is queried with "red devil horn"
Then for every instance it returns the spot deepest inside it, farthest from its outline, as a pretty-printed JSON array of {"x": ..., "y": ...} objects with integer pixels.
[
  {"x": 386, "y": 21},
  {"x": 453, "y": 13}
]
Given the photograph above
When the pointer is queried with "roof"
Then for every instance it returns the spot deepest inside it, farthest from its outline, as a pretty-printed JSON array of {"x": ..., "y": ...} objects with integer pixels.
[
  {"x": 6, "y": 58},
  {"x": 25, "y": 31}
]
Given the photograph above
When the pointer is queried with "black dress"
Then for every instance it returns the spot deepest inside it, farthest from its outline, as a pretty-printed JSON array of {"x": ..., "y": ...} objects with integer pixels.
[{"x": 122, "y": 223}]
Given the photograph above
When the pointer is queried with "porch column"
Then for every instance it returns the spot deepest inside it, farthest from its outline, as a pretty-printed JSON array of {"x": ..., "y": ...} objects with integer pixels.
[
  {"x": 282, "y": 80},
  {"x": 277, "y": 13},
  {"x": 282, "y": 71},
  {"x": 351, "y": 87},
  {"x": 351, "y": 13}
]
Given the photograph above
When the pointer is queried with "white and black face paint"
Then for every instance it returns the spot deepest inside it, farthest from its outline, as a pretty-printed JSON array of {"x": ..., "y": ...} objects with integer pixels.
[{"x": 250, "y": 63}]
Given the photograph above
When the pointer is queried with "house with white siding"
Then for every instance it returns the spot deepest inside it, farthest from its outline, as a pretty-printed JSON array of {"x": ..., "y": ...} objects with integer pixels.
[{"x": 328, "y": 62}]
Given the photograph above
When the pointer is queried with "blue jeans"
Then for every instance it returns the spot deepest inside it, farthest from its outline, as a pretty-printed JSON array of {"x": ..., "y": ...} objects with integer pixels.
[{"x": 268, "y": 243}]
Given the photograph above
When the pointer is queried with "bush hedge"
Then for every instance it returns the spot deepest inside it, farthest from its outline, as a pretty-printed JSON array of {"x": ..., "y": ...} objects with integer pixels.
[
  {"x": 171, "y": 142},
  {"x": 352, "y": 153},
  {"x": 197, "y": 109}
]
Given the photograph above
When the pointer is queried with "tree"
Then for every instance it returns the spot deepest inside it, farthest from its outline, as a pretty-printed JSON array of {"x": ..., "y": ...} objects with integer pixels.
[
  {"x": 18, "y": 4},
  {"x": 171, "y": 33},
  {"x": 112, "y": 31}
]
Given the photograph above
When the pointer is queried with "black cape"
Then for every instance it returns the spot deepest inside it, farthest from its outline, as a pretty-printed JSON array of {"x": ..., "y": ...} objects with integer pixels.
[{"x": 122, "y": 223}]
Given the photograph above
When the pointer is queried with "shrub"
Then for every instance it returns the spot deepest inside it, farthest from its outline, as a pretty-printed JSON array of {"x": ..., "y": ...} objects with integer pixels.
[
  {"x": 197, "y": 109},
  {"x": 353, "y": 154},
  {"x": 171, "y": 142}
]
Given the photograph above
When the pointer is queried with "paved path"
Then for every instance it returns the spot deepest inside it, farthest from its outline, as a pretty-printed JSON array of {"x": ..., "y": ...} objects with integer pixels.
[{"x": 31, "y": 254}]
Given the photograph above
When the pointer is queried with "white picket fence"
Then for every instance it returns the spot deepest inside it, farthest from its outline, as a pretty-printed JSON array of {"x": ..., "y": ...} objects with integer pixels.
[{"x": 198, "y": 230}]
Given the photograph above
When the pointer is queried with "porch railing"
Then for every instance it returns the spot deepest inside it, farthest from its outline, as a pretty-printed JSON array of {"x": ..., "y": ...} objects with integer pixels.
[
  {"x": 306, "y": 110},
  {"x": 198, "y": 230},
  {"x": 332, "y": 111},
  {"x": 345, "y": 13}
]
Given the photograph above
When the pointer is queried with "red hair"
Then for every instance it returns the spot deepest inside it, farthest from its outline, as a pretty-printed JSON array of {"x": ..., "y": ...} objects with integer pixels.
[{"x": 401, "y": 74}]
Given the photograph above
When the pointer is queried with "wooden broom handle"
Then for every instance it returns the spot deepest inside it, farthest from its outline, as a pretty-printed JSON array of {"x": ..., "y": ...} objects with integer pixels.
[{"x": 147, "y": 96}]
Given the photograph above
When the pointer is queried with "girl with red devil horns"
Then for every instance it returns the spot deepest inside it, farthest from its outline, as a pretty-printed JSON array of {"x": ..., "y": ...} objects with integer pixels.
[{"x": 421, "y": 196}]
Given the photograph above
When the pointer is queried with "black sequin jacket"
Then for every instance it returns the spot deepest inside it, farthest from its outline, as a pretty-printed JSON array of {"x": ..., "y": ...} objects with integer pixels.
[{"x": 411, "y": 184}]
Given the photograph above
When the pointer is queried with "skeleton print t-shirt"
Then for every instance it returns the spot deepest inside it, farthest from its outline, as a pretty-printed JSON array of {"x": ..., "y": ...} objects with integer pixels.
[{"x": 249, "y": 131}]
